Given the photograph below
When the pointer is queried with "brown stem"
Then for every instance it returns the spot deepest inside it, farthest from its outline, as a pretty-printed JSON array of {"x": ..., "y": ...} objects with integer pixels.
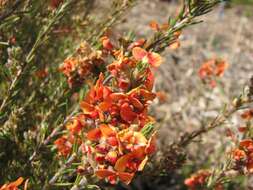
[{"x": 219, "y": 120}]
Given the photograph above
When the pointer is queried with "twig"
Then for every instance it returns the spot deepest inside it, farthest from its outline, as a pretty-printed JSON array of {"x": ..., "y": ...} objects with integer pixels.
[
  {"x": 185, "y": 18},
  {"x": 53, "y": 133},
  {"x": 217, "y": 121},
  {"x": 69, "y": 161}
]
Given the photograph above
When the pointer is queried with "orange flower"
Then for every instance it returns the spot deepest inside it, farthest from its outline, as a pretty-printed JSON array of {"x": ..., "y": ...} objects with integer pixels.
[
  {"x": 63, "y": 145},
  {"x": 141, "y": 93},
  {"x": 127, "y": 113},
  {"x": 149, "y": 82},
  {"x": 151, "y": 145},
  {"x": 140, "y": 148},
  {"x": 112, "y": 157},
  {"x": 80, "y": 67},
  {"x": 41, "y": 73},
  {"x": 88, "y": 109},
  {"x": 248, "y": 144},
  {"x": 242, "y": 129},
  {"x": 68, "y": 66},
  {"x": 197, "y": 180},
  {"x": 162, "y": 96},
  {"x": 247, "y": 115},
  {"x": 103, "y": 131},
  {"x": 238, "y": 154},
  {"x": 94, "y": 134},
  {"x": 243, "y": 156},
  {"x": 107, "y": 130},
  {"x": 154, "y": 25},
  {"x": 220, "y": 67},
  {"x": 106, "y": 43},
  {"x": 152, "y": 58},
  {"x": 137, "y": 43},
  {"x": 113, "y": 176},
  {"x": 76, "y": 125},
  {"x": 206, "y": 69},
  {"x": 212, "y": 69},
  {"x": 13, "y": 185},
  {"x": 131, "y": 160},
  {"x": 174, "y": 45}
]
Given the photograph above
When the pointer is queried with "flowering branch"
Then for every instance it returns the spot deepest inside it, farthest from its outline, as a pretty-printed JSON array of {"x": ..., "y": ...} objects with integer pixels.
[{"x": 187, "y": 16}]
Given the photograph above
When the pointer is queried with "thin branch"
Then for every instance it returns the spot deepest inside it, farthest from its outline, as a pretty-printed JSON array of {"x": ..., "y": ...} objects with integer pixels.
[{"x": 217, "y": 121}]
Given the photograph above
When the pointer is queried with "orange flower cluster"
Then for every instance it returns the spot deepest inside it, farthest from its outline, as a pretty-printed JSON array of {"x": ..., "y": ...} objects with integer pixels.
[
  {"x": 114, "y": 132},
  {"x": 197, "y": 180},
  {"x": 247, "y": 116},
  {"x": 243, "y": 156},
  {"x": 212, "y": 69},
  {"x": 14, "y": 185},
  {"x": 82, "y": 65}
]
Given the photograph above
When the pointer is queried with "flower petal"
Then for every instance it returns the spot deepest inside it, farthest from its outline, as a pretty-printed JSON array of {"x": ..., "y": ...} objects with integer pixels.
[
  {"x": 87, "y": 108},
  {"x": 140, "y": 138},
  {"x": 139, "y": 53},
  {"x": 149, "y": 82},
  {"x": 121, "y": 163},
  {"x": 104, "y": 173},
  {"x": 154, "y": 25},
  {"x": 127, "y": 113},
  {"x": 106, "y": 43},
  {"x": 174, "y": 45},
  {"x": 106, "y": 130},
  {"x": 136, "y": 103},
  {"x": 117, "y": 96},
  {"x": 94, "y": 134},
  {"x": 154, "y": 59},
  {"x": 246, "y": 143},
  {"x": 16, "y": 183},
  {"x": 138, "y": 153},
  {"x": 147, "y": 95},
  {"x": 126, "y": 177},
  {"x": 151, "y": 146},
  {"x": 104, "y": 106}
]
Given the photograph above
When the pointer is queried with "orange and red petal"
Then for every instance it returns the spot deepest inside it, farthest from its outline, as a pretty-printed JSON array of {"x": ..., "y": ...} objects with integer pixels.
[
  {"x": 139, "y": 53},
  {"x": 125, "y": 177},
  {"x": 154, "y": 59},
  {"x": 106, "y": 130},
  {"x": 94, "y": 134},
  {"x": 87, "y": 108},
  {"x": 121, "y": 163},
  {"x": 127, "y": 113}
]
